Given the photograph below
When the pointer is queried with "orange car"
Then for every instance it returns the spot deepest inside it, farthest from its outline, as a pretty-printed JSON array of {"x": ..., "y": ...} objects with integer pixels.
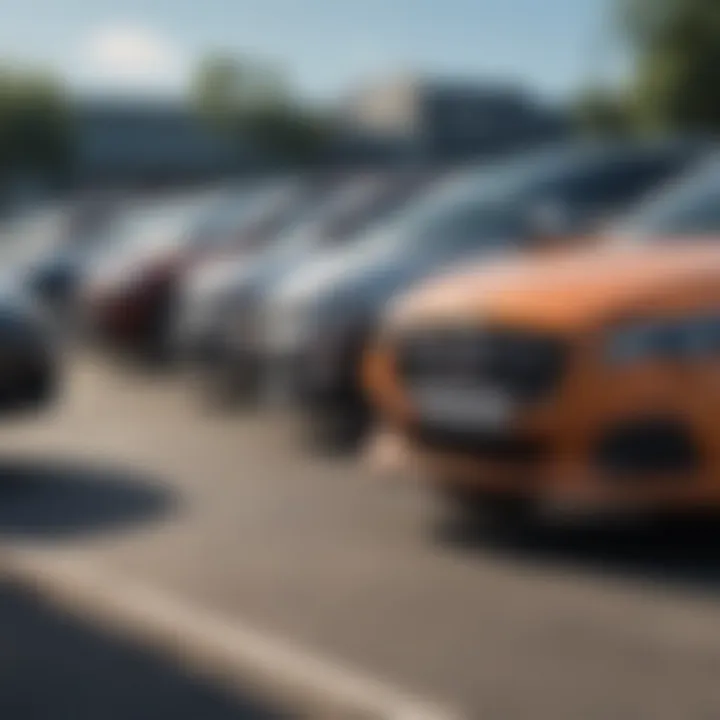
[{"x": 588, "y": 380}]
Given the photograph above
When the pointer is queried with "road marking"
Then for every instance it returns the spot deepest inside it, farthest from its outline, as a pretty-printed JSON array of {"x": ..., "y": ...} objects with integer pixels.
[{"x": 225, "y": 648}]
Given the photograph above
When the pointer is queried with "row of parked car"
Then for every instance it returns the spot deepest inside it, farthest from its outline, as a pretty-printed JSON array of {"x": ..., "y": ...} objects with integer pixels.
[{"x": 540, "y": 328}]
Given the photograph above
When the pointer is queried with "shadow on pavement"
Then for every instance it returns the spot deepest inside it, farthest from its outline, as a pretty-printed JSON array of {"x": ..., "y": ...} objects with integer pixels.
[
  {"x": 141, "y": 363},
  {"x": 681, "y": 552},
  {"x": 57, "y": 499},
  {"x": 55, "y": 667}
]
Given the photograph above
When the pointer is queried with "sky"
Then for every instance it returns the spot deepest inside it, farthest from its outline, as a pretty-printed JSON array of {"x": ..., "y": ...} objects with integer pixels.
[{"x": 325, "y": 46}]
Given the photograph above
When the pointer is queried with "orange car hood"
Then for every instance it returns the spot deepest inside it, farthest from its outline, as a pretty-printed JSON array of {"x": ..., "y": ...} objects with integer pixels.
[{"x": 561, "y": 290}]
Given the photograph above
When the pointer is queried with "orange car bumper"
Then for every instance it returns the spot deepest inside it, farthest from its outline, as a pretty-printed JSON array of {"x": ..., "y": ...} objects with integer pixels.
[{"x": 569, "y": 485}]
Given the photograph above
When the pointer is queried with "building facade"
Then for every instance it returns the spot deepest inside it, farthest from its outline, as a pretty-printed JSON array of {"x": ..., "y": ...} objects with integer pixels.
[
  {"x": 434, "y": 119},
  {"x": 131, "y": 142}
]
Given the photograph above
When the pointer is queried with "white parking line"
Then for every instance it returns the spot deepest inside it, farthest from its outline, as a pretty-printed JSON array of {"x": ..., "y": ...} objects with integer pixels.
[{"x": 225, "y": 648}]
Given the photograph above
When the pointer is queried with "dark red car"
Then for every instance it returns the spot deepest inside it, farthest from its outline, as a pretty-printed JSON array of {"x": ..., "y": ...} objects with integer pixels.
[{"x": 128, "y": 296}]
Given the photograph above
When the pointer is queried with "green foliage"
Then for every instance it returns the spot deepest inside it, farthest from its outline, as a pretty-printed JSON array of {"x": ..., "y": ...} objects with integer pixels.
[
  {"x": 676, "y": 46},
  {"x": 35, "y": 125},
  {"x": 604, "y": 113},
  {"x": 645, "y": 22},
  {"x": 252, "y": 103},
  {"x": 227, "y": 90},
  {"x": 287, "y": 133}
]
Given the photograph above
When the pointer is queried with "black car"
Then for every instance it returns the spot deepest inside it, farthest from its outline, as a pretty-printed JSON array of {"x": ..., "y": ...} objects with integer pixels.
[{"x": 30, "y": 357}]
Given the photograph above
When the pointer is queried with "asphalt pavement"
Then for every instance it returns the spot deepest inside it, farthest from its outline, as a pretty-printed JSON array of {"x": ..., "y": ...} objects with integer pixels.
[
  {"x": 54, "y": 666},
  {"x": 131, "y": 477}
]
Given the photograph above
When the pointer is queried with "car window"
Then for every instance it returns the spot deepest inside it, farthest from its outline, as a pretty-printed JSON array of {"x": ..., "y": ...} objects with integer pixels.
[
  {"x": 340, "y": 215},
  {"x": 618, "y": 181},
  {"x": 472, "y": 225},
  {"x": 156, "y": 225},
  {"x": 226, "y": 216},
  {"x": 480, "y": 208},
  {"x": 690, "y": 207},
  {"x": 246, "y": 212},
  {"x": 492, "y": 207}
]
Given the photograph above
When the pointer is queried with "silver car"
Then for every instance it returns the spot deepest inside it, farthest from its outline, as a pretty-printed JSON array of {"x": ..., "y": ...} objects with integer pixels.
[{"x": 317, "y": 320}]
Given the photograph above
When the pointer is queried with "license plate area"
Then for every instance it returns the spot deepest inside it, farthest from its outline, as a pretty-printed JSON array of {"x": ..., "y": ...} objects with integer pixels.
[{"x": 464, "y": 407}]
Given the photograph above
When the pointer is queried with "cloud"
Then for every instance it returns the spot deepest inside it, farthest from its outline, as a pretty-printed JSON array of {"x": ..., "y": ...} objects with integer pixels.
[{"x": 130, "y": 57}]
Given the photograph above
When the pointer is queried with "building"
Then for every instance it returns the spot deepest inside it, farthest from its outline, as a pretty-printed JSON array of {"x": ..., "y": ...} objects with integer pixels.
[
  {"x": 131, "y": 142},
  {"x": 421, "y": 118}
]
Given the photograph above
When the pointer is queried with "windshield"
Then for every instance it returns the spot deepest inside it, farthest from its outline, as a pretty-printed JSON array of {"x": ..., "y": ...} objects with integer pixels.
[
  {"x": 688, "y": 208},
  {"x": 237, "y": 211},
  {"x": 506, "y": 203},
  {"x": 476, "y": 208},
  {"x": 156, "y": 226},
  {"x": 337, "y": 218}
]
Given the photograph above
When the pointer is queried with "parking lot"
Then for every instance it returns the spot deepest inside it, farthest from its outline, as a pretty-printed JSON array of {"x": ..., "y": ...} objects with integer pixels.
[{"x": 129, "y": 490}]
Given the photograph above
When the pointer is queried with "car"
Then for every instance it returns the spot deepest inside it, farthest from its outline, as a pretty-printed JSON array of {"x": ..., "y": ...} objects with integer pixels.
[
  {"x": 130, "y": 292},
  {"x": 579, "y": 382},
  {"x": 30, "y": 355},
  {"x": 52, "y": 246},
  {"x": 203, "y": 290},
  {"x": 52, "y": 275},
  {"x": 228, "y": 364},
  {"x": 318, "y": 321}
]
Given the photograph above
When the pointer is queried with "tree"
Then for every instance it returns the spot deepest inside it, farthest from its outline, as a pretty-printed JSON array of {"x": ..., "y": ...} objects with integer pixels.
[
  {"x": 289, "y": 133},
  {"x": 251, "y": 102},
  {"x": 603, "y": 112},
  {"x": 35, "y": 126},
  {"x": 227, "y": 89},
  {"x": 676, "y": 47}
]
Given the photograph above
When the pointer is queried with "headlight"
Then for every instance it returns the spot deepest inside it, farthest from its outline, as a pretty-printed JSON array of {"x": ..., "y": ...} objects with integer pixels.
[{"x": 682, "y": 338}]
